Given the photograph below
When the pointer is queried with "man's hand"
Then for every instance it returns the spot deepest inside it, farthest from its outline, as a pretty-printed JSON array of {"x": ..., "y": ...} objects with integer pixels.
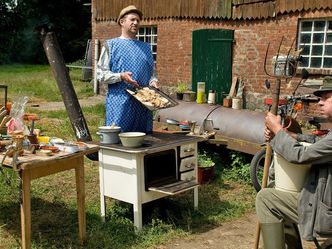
[
  {"x": 126, "y": 76},
  {"x": 154, "y": 83},
  {"x": 273, "y": 125}
]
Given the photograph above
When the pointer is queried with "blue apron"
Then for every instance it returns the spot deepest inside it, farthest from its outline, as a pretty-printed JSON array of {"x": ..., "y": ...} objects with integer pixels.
[{"x": 121, "y": 108}]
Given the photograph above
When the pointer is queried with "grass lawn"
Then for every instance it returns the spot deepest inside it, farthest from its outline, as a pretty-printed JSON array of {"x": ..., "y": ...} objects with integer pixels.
[{"x": 54, "y": 212}]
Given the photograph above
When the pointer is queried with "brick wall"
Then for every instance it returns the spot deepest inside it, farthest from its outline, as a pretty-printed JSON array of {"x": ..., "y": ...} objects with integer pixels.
[{"x": 251, "y": 40}]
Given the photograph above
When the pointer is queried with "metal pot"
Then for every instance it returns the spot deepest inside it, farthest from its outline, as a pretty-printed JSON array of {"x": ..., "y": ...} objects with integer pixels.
[
  {"x": 208, "y": 124},
  {"x": 109, "y": 134},
  {"x": 189, "y": 96}
]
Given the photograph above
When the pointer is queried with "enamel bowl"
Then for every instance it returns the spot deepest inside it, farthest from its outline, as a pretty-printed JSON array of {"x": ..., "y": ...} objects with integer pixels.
[{"x": 132, "y": 139}]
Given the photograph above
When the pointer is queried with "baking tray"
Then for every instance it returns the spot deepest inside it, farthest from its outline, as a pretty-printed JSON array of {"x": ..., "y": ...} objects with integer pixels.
[{"x": 171, "y": 102}]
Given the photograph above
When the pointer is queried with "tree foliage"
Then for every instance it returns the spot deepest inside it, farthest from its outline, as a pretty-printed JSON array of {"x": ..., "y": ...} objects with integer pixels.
[{"x": 20, "y": 41}]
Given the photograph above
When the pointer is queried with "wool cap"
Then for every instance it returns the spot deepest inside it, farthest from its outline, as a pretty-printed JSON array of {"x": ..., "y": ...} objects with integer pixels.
[
  {"x": 127, "y": 10},
  {"x": 325, "y": 87}
]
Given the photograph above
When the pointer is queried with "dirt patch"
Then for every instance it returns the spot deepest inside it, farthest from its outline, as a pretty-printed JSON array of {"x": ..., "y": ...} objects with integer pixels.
[
  {"x": 237, "y": 234},
  {"x": 53, "y": 106}
]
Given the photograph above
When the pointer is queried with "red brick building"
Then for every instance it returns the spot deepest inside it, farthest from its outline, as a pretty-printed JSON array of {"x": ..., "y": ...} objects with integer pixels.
[{"x": 254, "y": 24}]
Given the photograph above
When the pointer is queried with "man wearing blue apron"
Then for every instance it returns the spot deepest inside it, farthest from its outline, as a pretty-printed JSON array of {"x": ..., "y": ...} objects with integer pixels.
[{"x": 126, "y": 63}]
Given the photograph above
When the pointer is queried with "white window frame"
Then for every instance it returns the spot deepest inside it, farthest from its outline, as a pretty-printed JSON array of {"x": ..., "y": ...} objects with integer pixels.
[
  {"x": 149, "y": 37},
  {"x": 309, "y": 45}
]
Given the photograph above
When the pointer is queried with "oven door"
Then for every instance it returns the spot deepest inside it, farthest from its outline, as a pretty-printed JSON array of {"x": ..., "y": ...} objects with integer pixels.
[{"x": 161, "y": 173}]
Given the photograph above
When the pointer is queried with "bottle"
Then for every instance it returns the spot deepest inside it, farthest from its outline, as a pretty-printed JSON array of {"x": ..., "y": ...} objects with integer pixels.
[
  {"x": 200, "y": 92},
  {"x": 212, "y": 97}
]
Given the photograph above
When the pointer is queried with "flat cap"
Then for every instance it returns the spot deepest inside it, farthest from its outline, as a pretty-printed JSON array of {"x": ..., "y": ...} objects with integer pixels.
[
  {"x": 325, "y": 87},
  {"x": 127, "y": 10}
]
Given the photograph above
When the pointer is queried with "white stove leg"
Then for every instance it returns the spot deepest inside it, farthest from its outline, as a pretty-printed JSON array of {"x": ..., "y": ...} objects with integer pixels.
[
  {"x": 196, "y": 197},
  {"x": 102, "y": 207},
  {"x": 138, "y": 216}
]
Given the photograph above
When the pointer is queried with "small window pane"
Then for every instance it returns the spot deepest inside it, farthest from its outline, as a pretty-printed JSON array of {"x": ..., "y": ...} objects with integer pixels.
[
  {"x": 328, "y": 50},
  {"x": 149, "y": 35},
  {"x": 305, "y": 38},
  {"x": 329, "y": 26},
  {"x": 154, "y": 57},
  {"x": 319, "y": 26},
  {"x": 318, "y": 38},
  {"x": 328, "y": 62},
  {"x": 317, "y": 50},
  {"x": 329, "y": 37},
  {"x": 306, "y": 50},
  {"x": 316, "y": 62},
  {"x": 306, "y": 26},
  {"x": 304, "y": 62}
]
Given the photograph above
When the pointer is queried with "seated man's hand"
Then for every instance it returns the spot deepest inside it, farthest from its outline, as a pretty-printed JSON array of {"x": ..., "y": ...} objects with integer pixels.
[{"x": 272, "y": 125}]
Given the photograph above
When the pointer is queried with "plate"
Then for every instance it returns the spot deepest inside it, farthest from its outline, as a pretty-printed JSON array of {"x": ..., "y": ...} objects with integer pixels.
[
  {"x": 44, "y": 152},
  {"x": 50, "y": 148}
]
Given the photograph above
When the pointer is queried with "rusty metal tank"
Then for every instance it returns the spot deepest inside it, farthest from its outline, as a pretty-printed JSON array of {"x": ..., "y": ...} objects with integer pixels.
[{"x": 241, "y": 130}]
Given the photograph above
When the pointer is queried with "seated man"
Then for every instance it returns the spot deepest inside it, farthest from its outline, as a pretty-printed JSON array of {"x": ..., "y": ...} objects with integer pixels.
[{"x": 311, "y": 208}]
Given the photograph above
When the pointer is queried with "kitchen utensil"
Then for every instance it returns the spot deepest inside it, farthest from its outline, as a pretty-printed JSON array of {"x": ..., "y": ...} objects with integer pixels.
[
  {"x": 172, "y": 121},
  {"x": 44, "y": 152},
  {"x": 109, "y": 134},
  {"x": 189, "y": 96},
  {"x": 208, "y": 124},
  {"x": 184, "y": 126},
  {"x": 51, "y": 148},
  {"x": 71, "y": 148},
  {"x": 192, "y": 125},
  {"x": 132, "y": 139},
  {"x": 158, "y": 94},
  {"x": 32, "y": 138}
]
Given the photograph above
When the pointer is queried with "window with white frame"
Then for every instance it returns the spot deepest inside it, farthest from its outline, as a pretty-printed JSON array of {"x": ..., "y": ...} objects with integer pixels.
[
  {"x": 149, "y": 35},
  {"x": 315, "y": 37}
]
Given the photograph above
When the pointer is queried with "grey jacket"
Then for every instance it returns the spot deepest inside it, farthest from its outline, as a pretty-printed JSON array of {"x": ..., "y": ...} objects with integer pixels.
[{"x": 315, "y": 200}]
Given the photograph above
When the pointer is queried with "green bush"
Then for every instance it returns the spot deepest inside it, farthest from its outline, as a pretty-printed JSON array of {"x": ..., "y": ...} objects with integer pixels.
[{"x": 239, "y": 169}]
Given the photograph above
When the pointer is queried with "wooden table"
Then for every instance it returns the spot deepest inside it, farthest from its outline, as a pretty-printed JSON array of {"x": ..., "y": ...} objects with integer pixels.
[{"x": 32, "y": 167}]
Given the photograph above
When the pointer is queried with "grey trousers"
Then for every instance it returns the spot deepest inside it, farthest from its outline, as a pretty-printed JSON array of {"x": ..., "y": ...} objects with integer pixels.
[{"x": 274, "y": 206}]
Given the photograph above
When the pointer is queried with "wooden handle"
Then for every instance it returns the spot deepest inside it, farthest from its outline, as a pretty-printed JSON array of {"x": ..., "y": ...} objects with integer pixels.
[{"x": 268, "y": 154}]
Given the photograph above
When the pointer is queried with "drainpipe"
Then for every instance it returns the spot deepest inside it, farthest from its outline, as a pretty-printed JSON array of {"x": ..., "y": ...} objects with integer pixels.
[
  {"x": 95, "y": 82},
  {"x": 61, "y": 75}
]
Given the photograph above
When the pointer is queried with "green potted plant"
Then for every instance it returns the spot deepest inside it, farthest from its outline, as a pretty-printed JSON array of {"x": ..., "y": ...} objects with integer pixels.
[
  {"x": 205, "y": 168},
  {"x": 181, "y": 88}
]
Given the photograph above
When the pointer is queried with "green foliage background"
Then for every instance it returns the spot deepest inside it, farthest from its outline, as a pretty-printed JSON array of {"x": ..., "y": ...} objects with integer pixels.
[{"x": 20, "y": 40}]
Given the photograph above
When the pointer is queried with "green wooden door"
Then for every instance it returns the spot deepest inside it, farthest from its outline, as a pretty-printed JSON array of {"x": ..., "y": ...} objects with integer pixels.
[{"x": 212, "y": 60}]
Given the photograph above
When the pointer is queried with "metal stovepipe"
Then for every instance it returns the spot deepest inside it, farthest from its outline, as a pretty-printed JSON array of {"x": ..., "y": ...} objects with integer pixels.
[{"x": 61, "y": 75}]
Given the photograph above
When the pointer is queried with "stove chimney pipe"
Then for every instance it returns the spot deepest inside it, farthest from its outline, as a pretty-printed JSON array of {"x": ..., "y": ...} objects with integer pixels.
[{"x": 61, "y": 75}]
